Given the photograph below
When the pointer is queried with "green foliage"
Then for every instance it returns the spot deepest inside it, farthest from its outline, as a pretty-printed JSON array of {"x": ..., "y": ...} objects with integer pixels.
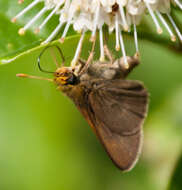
[
  {"x": 46, "y": 144},
  {"x": 176, "y": 182}
]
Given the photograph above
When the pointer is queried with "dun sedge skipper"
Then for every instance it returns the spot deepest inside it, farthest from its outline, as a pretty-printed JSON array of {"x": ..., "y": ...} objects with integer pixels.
[{"x": 115, "y": 108}]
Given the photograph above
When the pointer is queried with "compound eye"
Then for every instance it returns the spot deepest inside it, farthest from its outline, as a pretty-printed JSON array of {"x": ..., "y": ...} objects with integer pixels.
[{"x": 72, "y": 79}]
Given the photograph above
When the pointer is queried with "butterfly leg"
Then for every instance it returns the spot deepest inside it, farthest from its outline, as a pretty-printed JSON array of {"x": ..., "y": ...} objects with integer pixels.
[
  {"x": 79, "y": 66},
  {"x": 108, "y": 53},
  {"x": 90, "y": 57}
]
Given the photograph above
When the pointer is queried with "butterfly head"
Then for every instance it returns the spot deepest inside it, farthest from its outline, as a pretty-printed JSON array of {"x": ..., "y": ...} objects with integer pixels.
[{"x": 65, "y": 76}]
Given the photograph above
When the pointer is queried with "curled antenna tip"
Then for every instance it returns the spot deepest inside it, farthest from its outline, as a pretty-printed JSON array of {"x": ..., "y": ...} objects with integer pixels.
[{"x": 21, "y": 75}]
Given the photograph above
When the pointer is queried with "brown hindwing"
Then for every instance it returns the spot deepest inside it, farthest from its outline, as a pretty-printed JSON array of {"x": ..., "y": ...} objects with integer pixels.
[{"x": 116, "y": 110}]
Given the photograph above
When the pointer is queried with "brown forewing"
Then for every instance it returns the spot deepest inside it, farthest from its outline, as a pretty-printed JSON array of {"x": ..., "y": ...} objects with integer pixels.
[{"x": 116, "y": 109}]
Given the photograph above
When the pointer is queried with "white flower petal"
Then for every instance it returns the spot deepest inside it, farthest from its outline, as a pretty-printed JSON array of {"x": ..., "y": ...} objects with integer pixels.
[{"x": 91, "y": 15}]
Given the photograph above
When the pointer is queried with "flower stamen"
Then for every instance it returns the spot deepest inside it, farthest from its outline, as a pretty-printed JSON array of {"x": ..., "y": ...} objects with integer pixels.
[
  {"x": 178, "y": 3},
  {"x": 159, "y": 29},
  {"x": 37, "y": 16},
  {"x": 102, "y": 57},
  {"x": 35, "y": 2},
  {"x": 92, "y": 15},
  {"x": 122, "y": 13},
  {"x": 117, "y": 32},
  {"x": 65, "y": 31},
  {"x": 49, "y": 17},
  {"x": 136, "y": 39},
  {"x": 123, "y": 50},
  {"x": 175, "y": 27},
  {"x": 78, "y": 50},
  {"x": 95, "y": 23},
  {"x": 173, "y": 37},
  {"x": 68, "y": 23},
  {"x": 53, "y": 34}
]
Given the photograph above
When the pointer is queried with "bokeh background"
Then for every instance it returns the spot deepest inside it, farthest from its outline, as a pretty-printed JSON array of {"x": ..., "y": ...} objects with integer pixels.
[{"x": 46, "y": 144}]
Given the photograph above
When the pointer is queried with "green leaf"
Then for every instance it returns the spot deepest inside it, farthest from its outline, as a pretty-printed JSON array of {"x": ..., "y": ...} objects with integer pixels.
[
  {"x": 45, "y": 142},
  {"x": 69, "y": 42},
  {"x": 11, "y": 43},
  {"x": 176, "y": 180}
]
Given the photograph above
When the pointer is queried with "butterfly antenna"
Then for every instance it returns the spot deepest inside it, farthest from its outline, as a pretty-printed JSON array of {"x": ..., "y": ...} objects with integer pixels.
[
  {"x": 43, "y": 51},
  {"x": 61, "y": 53},
  {"x": 33, "y": 77},
  {"x": 54, "y": 58},
  {"x": 39, "y": 60}
]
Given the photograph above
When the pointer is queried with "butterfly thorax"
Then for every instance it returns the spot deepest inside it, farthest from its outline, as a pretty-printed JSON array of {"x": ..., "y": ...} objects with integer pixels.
[
  {"x": 75, "y": 83},
  {"x": 108, "y": 70}
]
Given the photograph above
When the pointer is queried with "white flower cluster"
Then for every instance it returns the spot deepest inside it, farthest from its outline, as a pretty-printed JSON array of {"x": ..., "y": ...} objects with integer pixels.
[{"x": 91, "y": 15}]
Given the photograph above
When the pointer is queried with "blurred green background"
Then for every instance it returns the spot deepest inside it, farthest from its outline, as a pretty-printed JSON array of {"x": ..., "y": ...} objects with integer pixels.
[{"x": 46, "y": 144}]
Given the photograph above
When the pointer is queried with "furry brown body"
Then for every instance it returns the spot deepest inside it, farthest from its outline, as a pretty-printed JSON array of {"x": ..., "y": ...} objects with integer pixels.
[{"x": 115, "y": 108}]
